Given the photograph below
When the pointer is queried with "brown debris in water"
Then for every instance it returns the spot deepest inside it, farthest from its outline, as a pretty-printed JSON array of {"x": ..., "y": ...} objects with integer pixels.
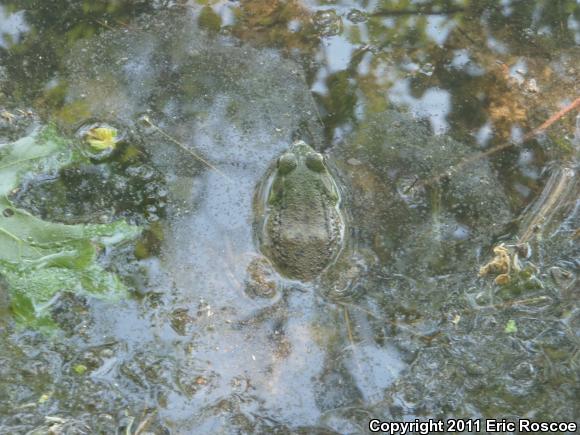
[{"x": 504, "y": 263}]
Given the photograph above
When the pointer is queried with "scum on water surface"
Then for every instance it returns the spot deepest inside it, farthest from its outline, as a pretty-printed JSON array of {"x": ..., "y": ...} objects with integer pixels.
[{"x": 428, "y": 113}]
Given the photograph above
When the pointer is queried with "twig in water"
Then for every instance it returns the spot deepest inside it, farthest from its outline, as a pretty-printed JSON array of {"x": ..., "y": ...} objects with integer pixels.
[
  {"x": 508, "y": 304},
  {"x": 144, "y": 425},
  {"x": 183, "y": 147},
  {"x": 561, "y": 186},
  {"x": 348, "y": 327},
  {"x": 545, "y": 125},
  {"x": 104, "y": 24},
  {"x": 418, "y": 11},
  {"x": 556, "y": 116}
]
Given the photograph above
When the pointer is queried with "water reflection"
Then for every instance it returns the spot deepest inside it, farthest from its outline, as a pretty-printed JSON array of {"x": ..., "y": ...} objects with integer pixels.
[
  {"x": 13, "y": 25},
  {"x": 434, "y": 104}
]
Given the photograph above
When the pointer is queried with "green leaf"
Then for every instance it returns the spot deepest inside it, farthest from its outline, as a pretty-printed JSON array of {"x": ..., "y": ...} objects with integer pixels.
[
  {"x": 511, "y": 327},
  {"x": 80, "y": 369},
  {"x": 40, "y": 259}
]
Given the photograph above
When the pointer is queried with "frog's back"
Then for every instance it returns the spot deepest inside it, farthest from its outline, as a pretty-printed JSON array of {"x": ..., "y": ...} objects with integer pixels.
[
  {"x": 304, "y": 226},
  {"x": 302, "y": 244}
]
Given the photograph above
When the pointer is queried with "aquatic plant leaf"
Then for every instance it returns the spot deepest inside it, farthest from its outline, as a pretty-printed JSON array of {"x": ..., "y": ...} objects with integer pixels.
[
  {"x": 39, "y": 259},
  {"x": 511, "y": 327},
  {"x": 102, "y": 138},
  {"x": 80, "y": 369}
]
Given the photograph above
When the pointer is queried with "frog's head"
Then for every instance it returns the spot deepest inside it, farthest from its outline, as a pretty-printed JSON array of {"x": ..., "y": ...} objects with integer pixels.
[{"x": 301, "y": 154}]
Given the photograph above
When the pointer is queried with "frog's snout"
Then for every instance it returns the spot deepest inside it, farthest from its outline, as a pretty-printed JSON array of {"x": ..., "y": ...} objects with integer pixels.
[{"x": 300, "y": 146}]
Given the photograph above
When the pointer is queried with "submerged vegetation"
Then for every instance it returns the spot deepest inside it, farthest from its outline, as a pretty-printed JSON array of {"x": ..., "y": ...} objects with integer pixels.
[{"x": 41, "y": 259}]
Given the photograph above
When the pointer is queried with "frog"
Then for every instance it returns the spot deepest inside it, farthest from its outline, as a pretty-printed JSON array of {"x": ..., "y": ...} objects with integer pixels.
[{"x": 302, "y": 226}]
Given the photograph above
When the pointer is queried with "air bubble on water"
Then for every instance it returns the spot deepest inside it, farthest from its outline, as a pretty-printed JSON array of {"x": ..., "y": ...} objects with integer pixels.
[
  {"x": 356, "y": 16},
  {"x": 327, "y": 23},
  {"x": 427, "y": 69}
]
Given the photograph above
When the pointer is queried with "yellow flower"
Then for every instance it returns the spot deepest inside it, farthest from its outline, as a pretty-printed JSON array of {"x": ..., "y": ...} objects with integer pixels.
[{"x": 102, "y": 138}]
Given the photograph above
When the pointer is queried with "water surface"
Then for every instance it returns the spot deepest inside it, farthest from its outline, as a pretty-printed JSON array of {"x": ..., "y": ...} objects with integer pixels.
[{"x": 402, "y": 97}]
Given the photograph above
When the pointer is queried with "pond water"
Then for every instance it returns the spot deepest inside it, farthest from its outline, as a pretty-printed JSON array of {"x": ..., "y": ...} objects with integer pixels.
[{"x": 451, "y": 132}]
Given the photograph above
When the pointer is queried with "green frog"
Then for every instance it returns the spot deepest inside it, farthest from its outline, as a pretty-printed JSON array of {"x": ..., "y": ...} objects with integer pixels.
[{"x": 302, "y": 226}]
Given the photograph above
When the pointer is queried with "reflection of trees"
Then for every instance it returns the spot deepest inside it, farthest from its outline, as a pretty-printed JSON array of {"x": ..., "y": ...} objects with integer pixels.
[
  {"x": 395, "y": 43},
  {"x": 399, "y": 32},
  {"x": 54, "y": 26},
  {"x": 476, "y": 63},
  {"x": 269, "y": 22},
  {"x": 485, "y": 88}
]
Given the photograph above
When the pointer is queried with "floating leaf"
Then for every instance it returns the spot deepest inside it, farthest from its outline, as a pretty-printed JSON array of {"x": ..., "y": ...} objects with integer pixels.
[{"x": 102, "y": 138}]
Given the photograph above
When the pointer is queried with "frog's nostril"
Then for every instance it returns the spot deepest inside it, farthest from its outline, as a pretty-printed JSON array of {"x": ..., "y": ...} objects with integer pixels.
[{"x": 301, "y": 146}]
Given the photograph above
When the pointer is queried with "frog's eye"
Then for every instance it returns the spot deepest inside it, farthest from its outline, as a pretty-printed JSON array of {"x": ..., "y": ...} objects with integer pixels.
[
  {"x": 286, "y": 163},
  {"x": 315, "y": 162}
]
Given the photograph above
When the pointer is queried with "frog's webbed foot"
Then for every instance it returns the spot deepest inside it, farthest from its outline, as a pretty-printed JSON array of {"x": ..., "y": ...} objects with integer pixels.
[
  {"x": 261, "y": 281},
  {"x": 344, "y": 281},
  {"x": 277, "y": 310}
]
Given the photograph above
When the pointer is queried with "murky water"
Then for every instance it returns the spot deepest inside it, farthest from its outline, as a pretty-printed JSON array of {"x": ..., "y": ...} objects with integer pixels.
[{"x": 426, "y": 113}]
